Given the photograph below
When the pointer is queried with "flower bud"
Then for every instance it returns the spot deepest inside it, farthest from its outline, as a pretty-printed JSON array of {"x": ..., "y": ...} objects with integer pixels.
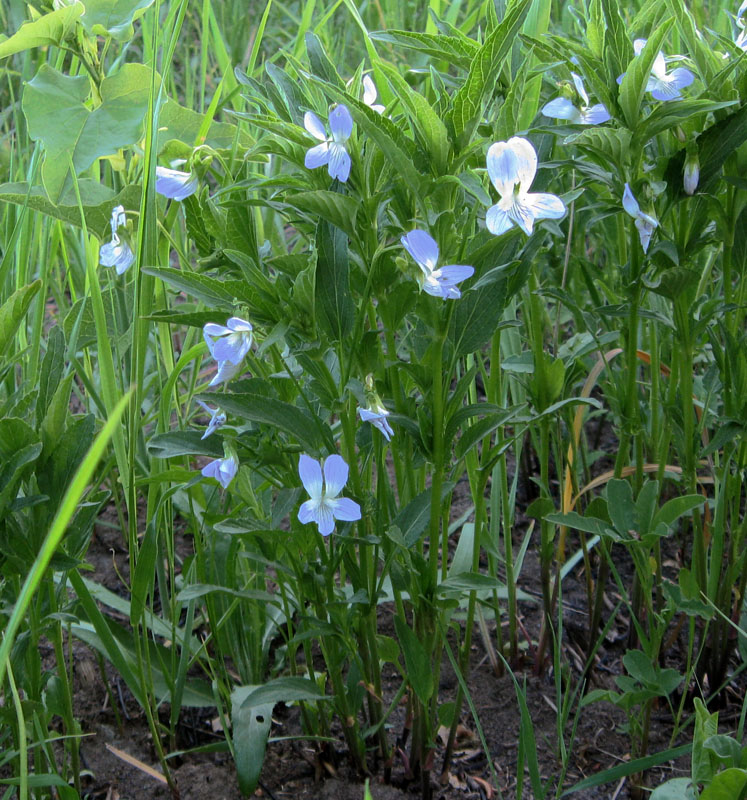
[{"x": 692, "y": 173}]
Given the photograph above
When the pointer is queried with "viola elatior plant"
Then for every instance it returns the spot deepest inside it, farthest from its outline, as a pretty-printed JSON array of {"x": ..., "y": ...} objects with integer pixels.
[
  {"x": 217, "y": 419},
  {"x": 512, "y": 166},
  {"x": 643, "y": 222},
  {"x": 661, "y": 84},
  {"x": 332, "y": 150},
  {"x": 437, "y": 282},
  {"x": 563, "y": 108},
  {"x": 118, "y": 252},
  {"x": 228, "y": 345},
  {"x": 222, "y": 469},
  {"x": 324, "y": 505},
  {"x": 174, "y": 184}
]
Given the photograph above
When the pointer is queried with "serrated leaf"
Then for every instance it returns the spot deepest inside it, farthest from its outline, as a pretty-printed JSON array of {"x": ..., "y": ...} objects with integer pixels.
[
  {"x": 338, "y": 209},
  {"x": 50, "y": 29},
  {"x": 184, "y": 443},
  {"x": 483, "y": 73},
  {"x": 333, "y": 301},
  {"x": 211, "y": 291},
  {"x": 86, "y": 134},
  {"x": 454, "y": 50},
  {"x": 633, "y": 85},
  {"x": 320, "y": 63},
  {"x": 312, "y": 434},
  {"x": 98, "y": 201},
  {"x": 428, "y": 125},
  {"x": 12, "y": 312}
]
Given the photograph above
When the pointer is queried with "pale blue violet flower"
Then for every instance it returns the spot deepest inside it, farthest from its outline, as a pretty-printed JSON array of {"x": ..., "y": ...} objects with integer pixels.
[
  {"x": 229, "y": 342},
  {"x": 563, "y": 108},
  {"x": 118, "y": 252},
  {"x": 377, "y": 416},
  {"x": 663, "y": 85},
  {"x": 228, "y": 345},
  {"x": 174, "y": 184},
  {"x": 370, "y": 93},
  {"x": 332, "y": 151},
  {"x": 222, "y": 469},
  {"x": 437, "y": 282},
  {"x": 512, "y": 166},
  {"x": 325, "y": 506},
  {"x": 741, "y": 40},
  {"x": 217, "y": 419},
  {"x": 645, "y": 223}
]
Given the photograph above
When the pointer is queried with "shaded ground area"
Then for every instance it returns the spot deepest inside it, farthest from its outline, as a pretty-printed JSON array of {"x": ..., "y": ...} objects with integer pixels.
[{"x": 293, "y": 768}]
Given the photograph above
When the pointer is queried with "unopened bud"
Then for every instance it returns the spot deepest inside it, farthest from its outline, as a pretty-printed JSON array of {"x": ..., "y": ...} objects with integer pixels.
[{"x": 692, "y": 173}]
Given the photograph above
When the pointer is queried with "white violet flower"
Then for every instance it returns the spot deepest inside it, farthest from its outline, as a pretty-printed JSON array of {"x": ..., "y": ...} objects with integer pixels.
[
  {"x": 370, "y": 93},
  {"x": 512, "y": 166},
  {"x": 174, "y": 184},
  {"x": 222, "y": 469},
  {"x": 118, "y": 252},
  {"x": 645, "y": 223},
  {"x": 563, "y": 108},
  {"x": 332, "y": 151},
  {"x": 437, "y": 282},
  {"x": 325, "y": 506},
  {"x": 663, "y": 85},
  {"x": 377, "y": 416},
  {"x": 217, "y": 419}
]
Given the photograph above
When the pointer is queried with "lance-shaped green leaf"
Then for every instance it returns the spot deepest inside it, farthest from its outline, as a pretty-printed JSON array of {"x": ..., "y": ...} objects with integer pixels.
[
  {"x": 633, "y": 85},
  {"x": 51, "y": 29},
  {"x": 484, "y": 71},
  {"x": 332, "y": 284},
  {"x": 455, "y": 50},
  {"x": 251, "y": 727},
  {"x": 113, "y": 17},
  {"x": 98, "y": 201},
  {"x": 86, "y": 134},
  {"x": 13, "y": 311}
]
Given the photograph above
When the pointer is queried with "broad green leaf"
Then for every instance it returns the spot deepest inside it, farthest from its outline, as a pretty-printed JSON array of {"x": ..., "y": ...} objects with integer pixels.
[
  {"x": 184, "y": 443},
  {"x": 673, "y": 509},
  {"x": 717, "y": 144},
  {"x": 333, "y": 301},
  {"x": 51, "y": 29},
  {"x": 667, "y": 115},
  {"x": 704, "y": 762},
  {"x": 414, "y": 517},
  {"x": 727, "y": 785},
  {"x": 338, "y": 209},
  {"x": 620, "y": 505},
  {"x": 184, "y": 125},
  {"x": 12, "y": 312},
  {"x": 98, "y": 201},
  {"x": 283, "y": 690},
  {"x": 417, "y": 663},
  {"x": 87, "y": 134},
  {"x": 311, "y": 433},
  {"x": 211, "y": 291},
  {"x": 633, "y": 85},
  {"x": 251, "y": 727},
  {"x": 452, "y": 49},
  {"x": 483, "y": 72},
  {"x": 113, "y": 17},
  {"x": 572, "y": 519},
  {"x": 674, "y": 789}
]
